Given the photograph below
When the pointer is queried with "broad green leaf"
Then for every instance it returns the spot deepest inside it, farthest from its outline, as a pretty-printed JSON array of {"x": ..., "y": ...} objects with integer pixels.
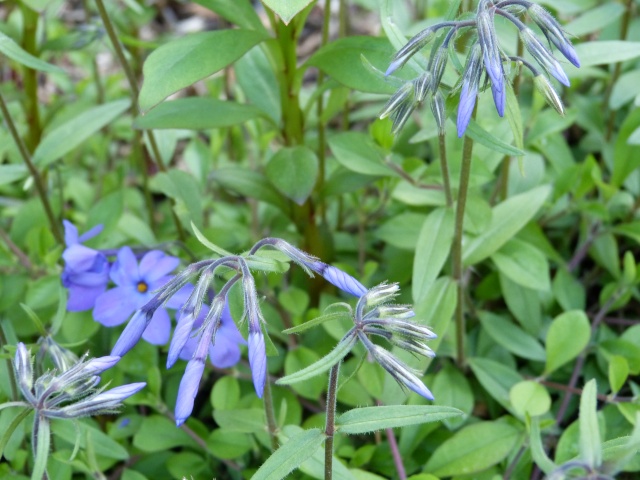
[
  {"x": 242, "y": 420},
  {"x": 72, "y": 133},
  {"x": 325, "y": 363},
  {"x": 357, "y": 152},
  {"x": 569, "y": 292},
  {"x": 184, "y": 190},
  {"x": 606, "y": 52},
  {"x": 618, "y": 372},
  {"x": 194, "y": 113},
  {"x": 590, "y": 443},
  {"x": 524, "y": 264},
  {"x": 507, "y": 219},
  {"x": 537, "y": 450},
  {"x": 294, "y": 362},
  {"x": 239, "y": 12},
  {"x": 12, "y": 172},
  {"x": 625, "y": 89},
  {"x": 480, "y": 135},
  {"x": 258, "y": 82},
  {"x": 249, "y": 184},
  {"x": 340, "y": 60},
  {"x": 567, "y": 336},
  {"x": 228, "y": 444},
  {"x": 147, "y": 438},
  {"x": 432, "y": 250},
  {"x": 595, "y": 19},
  {"x": 401, "y": 230},
  {"x": 287, "y": 9},
  {"x": 289, "y": 456},
  {"x": 523, "y": 303},
  {"x": 530, "y": 398},
  {"x": 184, "y": 61},
  {"x": 512, "y": 337},
  {"x": 207, "y": 243},
  {"x": 102, "y": 444},
  {"x": 11, "y": 428},
  {"x": 15, "y": 52},
  {"x": 294, "y": 172},
  {"x": 225, "y": 394},
  {"x": 497, "y": 379},
  {"x": 626, "y": 157},
  {"x": 370, "y": 419},
  {"x": 514, "y": 117},
  {"x": 450, "y": 387},
  {"x": 473, "y": 449}
]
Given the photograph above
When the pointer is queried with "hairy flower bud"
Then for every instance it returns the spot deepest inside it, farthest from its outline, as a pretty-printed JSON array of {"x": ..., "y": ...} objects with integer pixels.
[
  {"x": 470, "y": 84},
  {"x": 551, "y": 96},
  {"x": 438, "y": 111},
  {"x": 553, "y": 31},
  {"x": 490, "y": 51},
  {"x": 405, "y": 53},
  {"x": 543, "y": 56}
]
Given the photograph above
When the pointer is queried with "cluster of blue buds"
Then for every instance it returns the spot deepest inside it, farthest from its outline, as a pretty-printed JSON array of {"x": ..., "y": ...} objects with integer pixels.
[{"x": 485, "y": 57}]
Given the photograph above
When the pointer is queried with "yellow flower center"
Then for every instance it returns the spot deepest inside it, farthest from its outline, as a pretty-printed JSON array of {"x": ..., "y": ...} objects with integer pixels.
[{"x": 142, "y": 287}]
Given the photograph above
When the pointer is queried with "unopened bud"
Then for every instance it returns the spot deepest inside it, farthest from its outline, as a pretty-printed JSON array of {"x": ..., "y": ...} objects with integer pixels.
[
  {"x": 405, "y": 53},
  {"x": 551, "y": 96}
]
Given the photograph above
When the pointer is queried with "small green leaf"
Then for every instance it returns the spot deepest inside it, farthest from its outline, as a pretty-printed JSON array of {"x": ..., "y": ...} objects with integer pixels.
[
  {"x": 147, "y": 438},
  {"x": 569, "y": 292},
  {"x": 8, "y": 431},
  {"x": 568, "y": 335},
  {"x": 225, "y": 394},
  {"x": 325, "y": 363},
  {"x": 530, "y": 398},
  {"x": 289, "y": 456},
  {"x": 512, "y": 337},
  {"x": 357, "y": 152},
  {"x": 12, "y": 172},
  {"x": 590, "y": 443},
  {"x": 73, "y": 132},
  {"x": 184, "y": 61},
  {"x": 317, "y": 321},
  {"x": 618, "y": 372},
  {"x": 480, "y": 135},
  {"x": 238, "y": 12},
  {"x": 249, "y": 184},
  {"x": 194, "y": 113},
  {"x": 537, "y": 450},
  {"x": 507, "y": 220},
  {"x": 287, "y": 9},
  {"x": 371, "y": 419},
  {"x": 207, "y": 243},
  {"x": 473, "y": 449},
  {"x": 432, "y": 250},
  {"x": 242, "y": 420},
  {"x": 524, "y": 264},
  {"x": 450, "y": 387},
  {"x": 42, "y": 449},
  {"x": 184, "y": 189},
  {"x": 497, "y": 379},
  {"x": 294, "y": 172},
  {"x": 15, "y": 52}
]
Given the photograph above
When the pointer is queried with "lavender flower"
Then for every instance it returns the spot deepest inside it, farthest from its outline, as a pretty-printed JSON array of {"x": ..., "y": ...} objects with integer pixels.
[
  {"x": 553, "y": 31},
  {"x": 543, "y": 56},
  {"x": 135, "y": 284},
  {"x": 491, "y": 52},
  {"x": 470, "y": 85},
  {"x": 86, "y": 271}
]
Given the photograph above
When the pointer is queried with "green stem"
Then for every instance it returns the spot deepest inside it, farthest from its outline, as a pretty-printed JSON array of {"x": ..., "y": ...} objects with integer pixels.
[
  {"x": 465, "y": 173},
  {"x": 624, "y": 29},
  {"x": 330, "y": 423},
  {"x": 37, "y": 178},
  {"x": 272, "y": 425},
  {"x": 320, "y": 111},
  {"x": 30, "y": 78},
  {"x": 135, "y": 90},
  {"x": 445, "y": 168}
]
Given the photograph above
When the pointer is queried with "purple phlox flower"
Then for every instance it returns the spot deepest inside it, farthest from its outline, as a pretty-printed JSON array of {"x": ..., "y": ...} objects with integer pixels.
[
  {"x": 134, "y": 286},
  {"x": 470, "y": 85},
  {"x": 224, "y": 352},
  {"x": 491, "y": 52},
  {"x": 554, "y": 33},
  {"x": 86, "y": 271}
]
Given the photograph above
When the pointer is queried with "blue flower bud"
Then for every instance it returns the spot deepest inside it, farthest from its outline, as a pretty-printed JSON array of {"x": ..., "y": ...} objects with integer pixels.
[
  {"x": 470, "y": 85},
  {"x": 543, "y": 56},
  {"x": 257, "y": 358},
  {"x": 132, "y": 333},
  {"x": 340, "y": 279},
  {"x": 405, "y": 53},
  {"x": 553, "y": 31},
  {"x": 188, "y": 390},
  {"x": 490, "y": 49}
]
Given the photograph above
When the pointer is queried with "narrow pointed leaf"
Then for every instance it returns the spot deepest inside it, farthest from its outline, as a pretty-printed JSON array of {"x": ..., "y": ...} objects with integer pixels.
[
  {"x": 370, "y": 419},
  {"x": 590, "y": 443},
  {"x": 15, "y": 52},
  {"x": 289, "y": 456},
  {"x": 537, "y": 450},
  {"x": 42, "y": 448}
]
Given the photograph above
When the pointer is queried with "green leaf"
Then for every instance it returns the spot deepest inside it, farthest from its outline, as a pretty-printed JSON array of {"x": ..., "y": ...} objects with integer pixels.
[
  {"x": 294, "y": 172},
  {"x": 8, "y": 431},
  {"x": 228, "y": 444},
  {"x": 289, "y": 456},
  {"x": 249, "y": 184},
  {"x": 480, "y": 135},
  {"x": 294, "y": 361},
  {"x": 473, "y": 449},
  {"x": 530, "y": 398},
  {"x": 15, "y": 52},
  {"x": 626, "y": 88},
  {"x": 450, "y": 387},
  {"x": 357, "y": 152},
  {"x": 12, "y": 172},
  {"x": 537, "y": 450},
  {"x": 568, "y": 335},
  {"x": 72, "y": 133},
  {"x": 432, "y": 250},
  {"x": 184, "y": 61},
  {"x": 325, "y": 363},
  {"x": 242, "y": 420},
  {"x": 340, "y": 60},
  {"x": 259, "y": 83},
  {"x": 147, "y": 438},
  {"x": 184, "y": 189},
  {"x": 606, "y": 52},
  {"x": 102, "y": 444},
  {"x": 317, "y": 321},
  {"x": 514, "y": 117},
  {"x": 618, "y": 372},
  {"x": 512, "y": 337},
  {"x": 195, "y": 113},
  {"x": 523, "y": 303},
  {"x": 626, "y": 157},
  {"x": 287, "y": 9},
  {"x": 569, "y": 292},
  {"x": 371, "y": 419},
  {"x": 594, "y": 19},
  {"x": 507, "y": 219},
  {"x": 590, "y": 443},
  {"x": 41, "y": 453},
  {"x": 225, "y": 394},
  {"x": 239, "y": 12},
  {"x": 524, "y": 264},
  {"x": 496, "y": 378},
  {"x": 401, "y": 230},
  {"x": 207, "y": 243}
]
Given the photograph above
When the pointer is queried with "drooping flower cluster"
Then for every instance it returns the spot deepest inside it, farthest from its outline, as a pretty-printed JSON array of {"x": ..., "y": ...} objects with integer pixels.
[
  {"x": 485, "y": 57},
  {"x": 375, "y": 316},
  {"x": 203, "y": 325}
]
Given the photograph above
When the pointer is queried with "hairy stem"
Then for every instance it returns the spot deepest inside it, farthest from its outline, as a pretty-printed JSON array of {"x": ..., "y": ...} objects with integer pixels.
[
  {"x": 35, "y": 173},
  {"x": 445, "y": 169},
  {"x": 30, "y": 78},
  {"x": 330, "y": 424},
  {"x": 465, "y": 173},
  {"x": 272, "y": 425}
]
